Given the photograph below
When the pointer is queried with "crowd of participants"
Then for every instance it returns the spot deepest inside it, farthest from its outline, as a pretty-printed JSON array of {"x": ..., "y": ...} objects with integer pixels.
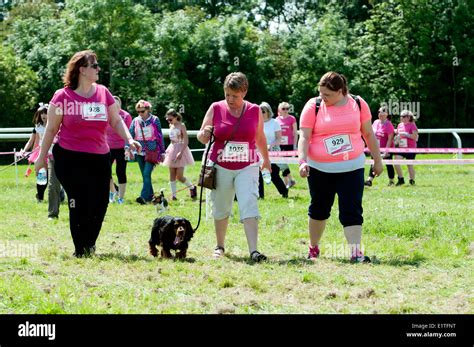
[{"x": 79, "y": 145}]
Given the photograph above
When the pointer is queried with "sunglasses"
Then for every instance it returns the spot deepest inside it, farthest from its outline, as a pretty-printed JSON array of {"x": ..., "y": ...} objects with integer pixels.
[
  {"x": 169, "y": 120},
  {"x": 94, "y": 66},
  {"x": 263, "y": 111},
  {"x": 284, "y": 108},
  {"x": 142, "y": 111},
  {"x": 403, "y": 116}
]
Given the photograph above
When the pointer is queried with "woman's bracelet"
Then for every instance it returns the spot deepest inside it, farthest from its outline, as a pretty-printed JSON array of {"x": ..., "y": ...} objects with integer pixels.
[{"x": 301, "y": 162}]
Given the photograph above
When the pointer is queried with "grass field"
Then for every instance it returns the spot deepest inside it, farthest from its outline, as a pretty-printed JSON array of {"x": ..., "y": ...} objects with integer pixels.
[{"x": 421, "y": 236}]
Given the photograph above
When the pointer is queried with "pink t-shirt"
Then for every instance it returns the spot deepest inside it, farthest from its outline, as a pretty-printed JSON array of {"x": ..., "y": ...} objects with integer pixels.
[
  {"x": 336, "y": 134},
  {"x": 240, "y": 152},
  {"x": 382, "y": 131},
  {"x": 113, "y": 139},
  {"x": 85, "y": 120},
  {"x": 409, "y": 128},
  {"x": 286, "y": 124}
]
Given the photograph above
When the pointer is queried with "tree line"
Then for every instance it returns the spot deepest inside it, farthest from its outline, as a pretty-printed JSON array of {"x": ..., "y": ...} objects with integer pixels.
[{"x": 176, "y": 53}]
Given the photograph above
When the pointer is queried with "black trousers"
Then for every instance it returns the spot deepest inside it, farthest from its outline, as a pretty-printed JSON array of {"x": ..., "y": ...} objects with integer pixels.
[
  {"x": 85, "y": 178},
  {"x": 390, "y": 170},
  {"x": 276, "y": 180},
  {"x": 349, "y": 187},
  {"x": 118, "y": 154}
]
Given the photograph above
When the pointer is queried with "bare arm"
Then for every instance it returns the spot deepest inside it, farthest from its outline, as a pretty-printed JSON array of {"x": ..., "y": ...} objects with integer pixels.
[
  {"x": 303, "y": 145},
  {"x": 295, "y": 135},
  {"x": 261, "y": 142},
  {"x": 277, "y": 139},
  {"x": 184, "y": 133},
  {"x": 204, "y": 133},
  {"x": 117, "y": 123},
  {"x": 55, "y": 118},
  {"x": 368, "y": 134},
  {"x": 30, "y": 142}
]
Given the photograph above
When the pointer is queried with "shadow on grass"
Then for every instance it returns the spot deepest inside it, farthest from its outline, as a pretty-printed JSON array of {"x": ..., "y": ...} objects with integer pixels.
[
  {"x": 130, "y": 258},
  {"x": 415, "y": 261}
]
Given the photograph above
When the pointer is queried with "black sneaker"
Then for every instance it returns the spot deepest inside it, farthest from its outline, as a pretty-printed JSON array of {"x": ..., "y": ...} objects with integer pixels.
[
  {"x": 257, "y": 257},
  {"x": 412, "y": 182},
  {"x": 368, "y": 183},
  {"x": 401, "y": 181},
  {"x": 193, "y": 192},
  {"x": 141, "y": 201}
]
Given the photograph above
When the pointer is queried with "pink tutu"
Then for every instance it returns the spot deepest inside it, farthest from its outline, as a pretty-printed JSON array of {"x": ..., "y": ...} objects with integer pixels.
[
  {"x": 171, "y": 153},
  {"x": 34, "y": 155}
]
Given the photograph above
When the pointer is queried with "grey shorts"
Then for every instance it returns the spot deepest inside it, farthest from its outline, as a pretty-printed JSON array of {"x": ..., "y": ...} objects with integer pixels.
[{"x": 244, "y": 184}]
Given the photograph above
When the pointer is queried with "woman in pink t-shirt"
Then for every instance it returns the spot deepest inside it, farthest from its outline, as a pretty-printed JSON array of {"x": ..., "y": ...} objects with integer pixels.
[
  {"x": 331, "y": 155},
  {"x": 289, "y": 136},
  {"x": 117, "y": 154},
  {"x": 384, "y": 132},
  {"x": 79, "y": 113},
  {"x": 406, "y": 137},
  {"x": 238, "y": 128}
]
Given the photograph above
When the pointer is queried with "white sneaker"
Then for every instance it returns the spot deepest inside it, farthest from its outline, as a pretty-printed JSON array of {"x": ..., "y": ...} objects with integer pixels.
[{"x": 218, "y": 252}]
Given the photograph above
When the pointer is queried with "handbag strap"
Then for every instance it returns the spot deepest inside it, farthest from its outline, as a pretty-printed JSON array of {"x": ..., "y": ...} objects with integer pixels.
[
  {"x": 203, "y": 167},
  {"x": 143, "y": 136}
]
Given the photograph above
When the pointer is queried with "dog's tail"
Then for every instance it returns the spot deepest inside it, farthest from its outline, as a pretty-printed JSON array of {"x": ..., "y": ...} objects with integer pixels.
[
  {"x": 152, "y": 249},
  {"x": 162, "y": 190}
]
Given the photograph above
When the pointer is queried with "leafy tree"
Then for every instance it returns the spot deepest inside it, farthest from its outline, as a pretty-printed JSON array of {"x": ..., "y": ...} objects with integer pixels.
[{"x": 18, "y": 85}]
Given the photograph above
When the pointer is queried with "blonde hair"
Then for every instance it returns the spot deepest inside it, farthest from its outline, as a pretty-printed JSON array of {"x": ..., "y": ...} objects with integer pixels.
[
  {"x": 143, "y": 104},
  {"x": 409, "y": 114}
]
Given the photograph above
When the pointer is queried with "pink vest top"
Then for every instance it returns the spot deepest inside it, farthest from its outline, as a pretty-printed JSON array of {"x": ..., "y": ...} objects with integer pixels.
[{"x": 240, "y": 151}]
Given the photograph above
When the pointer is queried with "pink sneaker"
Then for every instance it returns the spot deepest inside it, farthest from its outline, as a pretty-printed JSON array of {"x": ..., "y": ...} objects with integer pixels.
[
  {"x": 313, "y": 252},
  {"x": 359, "y": 257}
]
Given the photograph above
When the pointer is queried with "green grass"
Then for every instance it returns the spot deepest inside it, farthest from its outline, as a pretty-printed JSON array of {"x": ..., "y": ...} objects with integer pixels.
[{"x": 422, "y": 238}]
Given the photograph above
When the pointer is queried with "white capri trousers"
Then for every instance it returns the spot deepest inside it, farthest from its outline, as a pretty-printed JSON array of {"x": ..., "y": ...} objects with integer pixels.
[{"x": 244, "y": 184}]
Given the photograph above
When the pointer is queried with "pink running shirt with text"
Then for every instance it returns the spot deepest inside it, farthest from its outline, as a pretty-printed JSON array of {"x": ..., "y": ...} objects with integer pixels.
[
  {"x": 409, "y": 128},
  {"x": 243, "y": 140},
  {"x": 336, "y": 134},
  {"x": 85, "y": 120},
  {"x": 113, "y": 139},
  {"x": 382, "y": 131},
  {"x": 286, "y": 124}
]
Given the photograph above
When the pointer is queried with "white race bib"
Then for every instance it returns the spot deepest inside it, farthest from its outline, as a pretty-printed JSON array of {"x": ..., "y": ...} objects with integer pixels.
[
  {"x": 403, "y": 143},
  {"x": 94, "y": 112},
  {"x": 338, "y": 144},
  {"x": 147, "y": 133},
  {"x": 284, "y": 140},
  {"x": 236, "y": 152}
]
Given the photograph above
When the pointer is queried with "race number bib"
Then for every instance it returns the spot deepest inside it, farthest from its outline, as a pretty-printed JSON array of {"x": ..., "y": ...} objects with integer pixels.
[
  {"x": 147, "y": 133},
  {"x": 403, "y": 143},
  {"x": 338, "y": 144},
  {"x": 284, "y": 140},
  {"x": 236, "y": 152},
  {"x": 94, "y": 112}
]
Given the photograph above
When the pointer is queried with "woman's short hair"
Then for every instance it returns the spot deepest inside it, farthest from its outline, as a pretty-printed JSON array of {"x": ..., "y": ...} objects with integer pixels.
[
  {"x": 172, "y": 112},
  {"x": 143, "y": 104},
  {"x": 409, "y": 114},
  {"x": 78, "y": 60},
  {"x": 334, "y": 81},
  {"x": 267, "y": 107},
  {"x": 283, "y": 104},
  {"x": 236, "y": 81}
]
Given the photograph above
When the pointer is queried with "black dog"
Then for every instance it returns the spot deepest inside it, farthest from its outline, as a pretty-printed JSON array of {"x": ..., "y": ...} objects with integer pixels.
[{"x": 170, "y": 233}]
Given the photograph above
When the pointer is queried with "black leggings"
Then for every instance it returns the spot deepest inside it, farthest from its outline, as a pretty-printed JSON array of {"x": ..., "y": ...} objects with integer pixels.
[
  {"x": 118, "y": 154},
  {"x": 277, "y": 182},
  {"x": 390, "y": 170},
  {"x": 85, "y": 177}
]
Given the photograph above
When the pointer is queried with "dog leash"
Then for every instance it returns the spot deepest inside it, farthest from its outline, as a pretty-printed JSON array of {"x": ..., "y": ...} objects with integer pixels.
[{"x": 209, "y": 144}]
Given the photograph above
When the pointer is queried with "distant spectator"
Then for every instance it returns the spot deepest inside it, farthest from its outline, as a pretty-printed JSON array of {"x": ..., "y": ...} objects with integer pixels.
[
  {"x": 117, "y": 154},
  {"x": 406, "y": 137},
  {"x": 384, "y": 132},
  {"x": 289, "y": 138}
]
